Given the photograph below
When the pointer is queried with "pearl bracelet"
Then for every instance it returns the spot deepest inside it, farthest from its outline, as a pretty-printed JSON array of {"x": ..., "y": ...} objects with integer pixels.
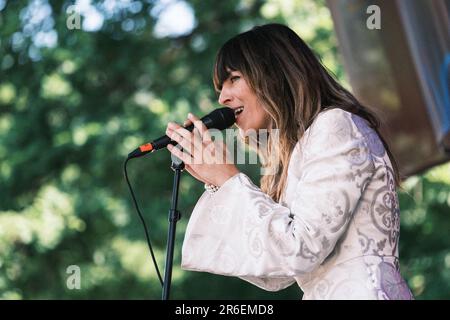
[{"x": 211, "y": 188}]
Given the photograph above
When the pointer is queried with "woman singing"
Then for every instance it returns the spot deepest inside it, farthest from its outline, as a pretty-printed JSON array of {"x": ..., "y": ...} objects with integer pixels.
[{"x": 326, "y": 215}]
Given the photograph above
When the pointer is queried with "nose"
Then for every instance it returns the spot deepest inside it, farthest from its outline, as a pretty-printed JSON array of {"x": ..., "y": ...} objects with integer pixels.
[{"x": 225, "y": 96}]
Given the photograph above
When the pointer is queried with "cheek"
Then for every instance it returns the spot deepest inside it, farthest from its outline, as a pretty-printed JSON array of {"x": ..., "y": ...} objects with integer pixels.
[{"x": 262, "y": 118}]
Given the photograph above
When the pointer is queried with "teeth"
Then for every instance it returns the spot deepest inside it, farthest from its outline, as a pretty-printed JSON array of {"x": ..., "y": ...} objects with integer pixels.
[{"x": 238, "y": 110}]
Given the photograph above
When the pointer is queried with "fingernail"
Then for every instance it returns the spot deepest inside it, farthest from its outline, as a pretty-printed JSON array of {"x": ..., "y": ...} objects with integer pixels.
[{"x": 190, "y": 115}]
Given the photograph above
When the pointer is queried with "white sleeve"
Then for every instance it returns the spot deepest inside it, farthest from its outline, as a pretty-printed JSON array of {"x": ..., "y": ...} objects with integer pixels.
[{"x": 240, "y": 231}]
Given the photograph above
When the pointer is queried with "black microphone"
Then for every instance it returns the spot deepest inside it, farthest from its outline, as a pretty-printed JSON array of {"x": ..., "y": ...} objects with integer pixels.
[{"x": 218, "y": 119}]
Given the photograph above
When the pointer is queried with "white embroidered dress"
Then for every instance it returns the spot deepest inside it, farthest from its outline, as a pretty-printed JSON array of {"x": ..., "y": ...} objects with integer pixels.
[{"x": 335, "y": 232}]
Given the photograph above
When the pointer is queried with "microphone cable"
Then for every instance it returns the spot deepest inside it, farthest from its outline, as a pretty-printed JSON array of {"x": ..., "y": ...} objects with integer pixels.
[
  {"x": 143, "y": 221},
  {"x": 221, "y": 119}
]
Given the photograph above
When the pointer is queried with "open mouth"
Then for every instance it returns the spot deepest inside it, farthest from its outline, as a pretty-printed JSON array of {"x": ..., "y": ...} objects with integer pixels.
[{"x": 238, "y": 111}]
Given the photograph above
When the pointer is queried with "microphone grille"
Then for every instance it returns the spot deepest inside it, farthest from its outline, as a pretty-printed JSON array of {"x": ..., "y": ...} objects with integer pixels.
[{"x": 223, "y": 118}]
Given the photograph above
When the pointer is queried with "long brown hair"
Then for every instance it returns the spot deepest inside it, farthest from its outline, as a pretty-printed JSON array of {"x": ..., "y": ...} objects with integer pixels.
[{"x": 293, "y": 86}]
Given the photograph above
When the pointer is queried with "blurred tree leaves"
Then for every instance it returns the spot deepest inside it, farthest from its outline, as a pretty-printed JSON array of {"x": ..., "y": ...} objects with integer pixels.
[
  {"x": 425, "y": 241},
  {"x": 73, "y": 103}
]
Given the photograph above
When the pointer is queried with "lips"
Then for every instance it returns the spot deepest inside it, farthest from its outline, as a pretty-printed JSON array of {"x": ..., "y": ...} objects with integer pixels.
[{"x": 237, "y": 113}]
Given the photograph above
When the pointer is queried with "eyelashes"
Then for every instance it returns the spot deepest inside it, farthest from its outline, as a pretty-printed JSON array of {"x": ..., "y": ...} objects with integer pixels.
[{"x": 234, "y": 78}]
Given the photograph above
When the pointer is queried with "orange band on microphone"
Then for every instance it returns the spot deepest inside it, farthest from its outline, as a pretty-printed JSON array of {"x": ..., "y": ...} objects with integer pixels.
[{"x": 146, "y": 147}]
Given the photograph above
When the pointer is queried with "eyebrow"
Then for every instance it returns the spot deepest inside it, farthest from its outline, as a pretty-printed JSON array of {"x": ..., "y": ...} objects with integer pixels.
[{"x": 230, "y": 74}]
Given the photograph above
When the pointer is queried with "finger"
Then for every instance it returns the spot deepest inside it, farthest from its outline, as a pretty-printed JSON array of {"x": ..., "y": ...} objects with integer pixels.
[
  {"x": 180, "y": 135},
  {"x": 200, "y": 127},
  {"x": 197, "y": 141},
  {"x": 173, "y": 126},
  {"x": 185, "y": 157},
  {"x": 180, "y": 130},
  {"x": 184, "y": 143}
]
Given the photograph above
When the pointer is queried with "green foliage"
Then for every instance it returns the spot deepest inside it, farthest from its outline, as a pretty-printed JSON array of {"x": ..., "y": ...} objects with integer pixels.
[
  {"x": 70, "y": 112},
  {"x": 425, "y": 241}
]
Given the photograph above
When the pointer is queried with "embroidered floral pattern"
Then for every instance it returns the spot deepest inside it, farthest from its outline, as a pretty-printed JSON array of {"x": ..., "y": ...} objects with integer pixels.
[{"x": 340, "y": 211}]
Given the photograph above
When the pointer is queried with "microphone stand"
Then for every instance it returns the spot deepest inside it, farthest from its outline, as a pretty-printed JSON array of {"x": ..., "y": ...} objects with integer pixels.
[{"x": 174, "y": 215}]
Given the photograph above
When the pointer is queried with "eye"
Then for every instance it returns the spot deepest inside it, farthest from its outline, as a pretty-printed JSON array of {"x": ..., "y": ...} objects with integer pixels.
[{"x": 234, "y": 78}]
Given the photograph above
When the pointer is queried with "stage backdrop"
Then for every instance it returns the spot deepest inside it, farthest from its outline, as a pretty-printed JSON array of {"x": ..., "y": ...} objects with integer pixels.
[{"x": 397, "y": 54}]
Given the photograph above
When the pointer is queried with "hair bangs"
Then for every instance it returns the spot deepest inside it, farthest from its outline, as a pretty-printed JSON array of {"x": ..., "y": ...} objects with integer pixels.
[{"x": 230, "y": 58}]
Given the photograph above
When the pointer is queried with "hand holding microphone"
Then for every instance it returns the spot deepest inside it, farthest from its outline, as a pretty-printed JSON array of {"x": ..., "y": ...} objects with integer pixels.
[
  {"x": 218, "y": 119},
  {"x": 204, "y": 159}
]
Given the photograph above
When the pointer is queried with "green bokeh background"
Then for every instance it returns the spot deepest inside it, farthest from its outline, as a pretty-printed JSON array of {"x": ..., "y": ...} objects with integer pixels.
[{"x": 72, "y": 107}]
